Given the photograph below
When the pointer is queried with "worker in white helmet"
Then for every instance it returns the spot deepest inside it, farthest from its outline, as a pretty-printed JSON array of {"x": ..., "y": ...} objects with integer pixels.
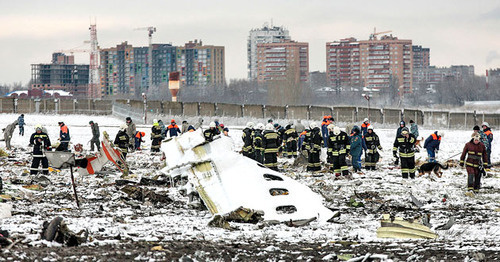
[{"x": 210, "y": 132}]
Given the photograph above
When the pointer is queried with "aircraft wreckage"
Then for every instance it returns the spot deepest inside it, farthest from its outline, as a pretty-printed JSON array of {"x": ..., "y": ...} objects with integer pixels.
[{"x": 227, "y": 181}]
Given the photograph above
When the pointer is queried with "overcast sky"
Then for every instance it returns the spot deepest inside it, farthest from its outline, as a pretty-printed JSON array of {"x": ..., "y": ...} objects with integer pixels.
[{"x": 456, "y": 31}]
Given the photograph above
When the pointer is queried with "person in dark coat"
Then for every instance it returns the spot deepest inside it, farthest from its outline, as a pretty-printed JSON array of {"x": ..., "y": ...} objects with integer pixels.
[
  {"x": 122, "y": 140},
  {"x": 489, "y": 136},
  {"x": 156, "y": 137},
  {"x": 94, "y": 127},
  {"x": 247, "y": 140},
  {"x": 20, "y": 121},
  {"x": 373, "y": 145},
  {"x": 405, "y": 144},
  {"x": 338, "y": 148},
  {"x": 64, "y": 137},
  {"x": 270, "y": 143},
  {"x": 356, "y": 148},
  {"x": 477, "y": 159},
  {"x": 432, "y": 145},
  {"x": 314, "y": 148},
  {"x": 258, "y": 147},
  {"x": 131, "y": 131},
  {"x": 210, "y": 132},
  {"x": 290, "y": 137},
  {"x": 41, "y": 143},
  {"x": 402, "y": 125},
  {"x": 173, "y": 129}
]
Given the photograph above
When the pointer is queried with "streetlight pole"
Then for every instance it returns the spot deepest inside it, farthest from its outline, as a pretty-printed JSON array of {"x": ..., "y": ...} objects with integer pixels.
[
  {"x": 367, "y": 97},
  {"x": 145, "y": 100}
]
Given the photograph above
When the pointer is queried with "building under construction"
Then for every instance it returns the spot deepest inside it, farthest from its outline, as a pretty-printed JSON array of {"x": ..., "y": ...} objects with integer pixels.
[{"x": 61, "y": 74}]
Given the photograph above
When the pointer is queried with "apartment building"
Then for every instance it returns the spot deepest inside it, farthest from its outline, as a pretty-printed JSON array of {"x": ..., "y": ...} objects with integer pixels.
[{"x": 201, "y": 65}]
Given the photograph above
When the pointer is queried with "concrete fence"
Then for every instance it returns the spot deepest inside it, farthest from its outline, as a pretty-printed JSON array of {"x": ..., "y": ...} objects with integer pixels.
[{"x": 158, "y": 109}]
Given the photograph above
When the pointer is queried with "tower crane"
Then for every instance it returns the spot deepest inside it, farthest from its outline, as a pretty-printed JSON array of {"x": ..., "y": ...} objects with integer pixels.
[
  {"x": 375, "y": 33},
  {"x": 151, "y": 30}
]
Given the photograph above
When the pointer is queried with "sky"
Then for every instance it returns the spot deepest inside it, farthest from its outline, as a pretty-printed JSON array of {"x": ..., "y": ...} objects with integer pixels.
[{"x": 458, "y": 32}]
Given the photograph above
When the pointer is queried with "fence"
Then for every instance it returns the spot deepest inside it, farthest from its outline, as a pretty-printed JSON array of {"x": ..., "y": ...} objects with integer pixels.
[{"x": 160, "y": 109}]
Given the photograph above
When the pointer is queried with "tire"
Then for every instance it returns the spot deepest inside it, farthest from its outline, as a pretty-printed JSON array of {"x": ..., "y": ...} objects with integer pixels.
[{"x": 49, "y": 233}]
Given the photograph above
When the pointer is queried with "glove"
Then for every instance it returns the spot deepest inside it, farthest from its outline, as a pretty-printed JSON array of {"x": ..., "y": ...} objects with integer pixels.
[
  {"x": 396, "y": 161},
  {"x": 461, "y": 164}
]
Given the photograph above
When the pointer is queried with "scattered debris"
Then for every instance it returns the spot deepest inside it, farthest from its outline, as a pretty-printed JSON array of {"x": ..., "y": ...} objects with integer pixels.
[
  {"x": 397, "y": 227},
  {"x": 415, "y": 201},
  {"x": 5, "y": 210},
  {"x": 4, "y": 238},
  {"x": 245, "y": 215},
  {"x": 354, "y": 203},
  {"x": 220, "y": 221},
  {"x": 143, "y": 194},
  {"x": 58, "y": 231},
  {"x": 153, "y": 182},
  {"x": 33, "y": 187},
  {"x": 448, "y": 225}
]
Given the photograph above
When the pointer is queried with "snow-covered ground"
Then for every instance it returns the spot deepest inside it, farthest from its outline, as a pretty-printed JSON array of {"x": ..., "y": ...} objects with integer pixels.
[{"x": 106, "y": 212}]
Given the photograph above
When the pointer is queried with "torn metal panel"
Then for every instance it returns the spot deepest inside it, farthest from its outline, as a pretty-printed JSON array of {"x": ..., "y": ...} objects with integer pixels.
[
  {"x": 107, "y": 153},
  {"x": 399, "y": 228},
  {"x": 226, "y": 181}
]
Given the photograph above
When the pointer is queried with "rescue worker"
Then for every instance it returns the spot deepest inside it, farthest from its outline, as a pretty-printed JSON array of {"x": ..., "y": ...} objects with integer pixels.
[
  {"x": 324, "y": 130},
  {"x": 218, "y": 129},
  {"x": 477, "y": 159},
  {"x": 484, "y": 138},
  {"x": 414, "y": 129},
  {"x": 405, "y": 144},
  {"x": 314, "y": 148},
  {"x": 156, "y": 137},
  {"x": 20, "y": 121},
  {"x": 258, "y": 148},
  {"x": 63, "y": 137},
  {"x": 40, "y": 142},
  {"x": 225, "y": 130},
  {"x": 373, "y": 145},
  {"x": 402, "y": 125},
  {"x": 184, "y": 126},
  {"x": 364, "y": 127},
  {"x": 356, "y": 149},
  {"x": 138, "y": 140},
  {"x": 94, "y": 127},
  {"x": 8, "y": 132},
  {"x": 162, "y": 128},
  {"x": 299, "y": 127},
  {"x": 432, "y": 145},
  {"x": 290, "y": 137},
  {"x": 281, "y": 132},
  {"x": 173, "y": 129},
  {"x": 270, "y": 143},
  {"x": 210, "y": 132},
  {"x": 489, "y": 136},
  {"x": 301, "y": 143},
  {"x": 122, "y": 140},
  {"x": 247, "y": 140},
  {"x": 338, "y": 148},
  {"x": 131, "y": 131}
]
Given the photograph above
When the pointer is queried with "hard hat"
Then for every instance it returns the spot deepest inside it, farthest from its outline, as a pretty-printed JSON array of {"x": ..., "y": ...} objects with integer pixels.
[
  {"x": 128, "y": 119},
  {"x": 366, "y": 120},
  {"x": 155, "y": 121},
  {"x": 485, "y": 124},
  {"x": 250, "y": 124},
  {"x": 370, "y": 127},
  {"x": 38, "y": 126},
  {"x": 313, "y": 125},
  {"x": 440, "y": 133},
  {"x": 336, "y": 130},
  {"x": 212, "y": 124},
  {"x": 172, "y": 121},
  {"x": 330, "y": 127},
  {"x": 269, "y": 126},
  {"x": 259, "y": 126},
  {"x": 123, "y": 127},
  {"x": 405, "y": 131},
  {"x": 356, "y": 129}
]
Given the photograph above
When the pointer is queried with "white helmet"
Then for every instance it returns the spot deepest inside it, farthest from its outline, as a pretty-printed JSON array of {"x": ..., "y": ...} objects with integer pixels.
[
  {"x": 259, "y": 126},
  {"x": 366, "y": 120},
  {"x": 155, "y": 121},
  {"x": 212, "y": 124},
  {"x": 485, "y": 124},
  {"x": 250, "y": 124},
  {"x": 38, "y": 126},
  {"x": 370, "y": 127},
  {"x": 336, "y": 130},
  {"x": 440, "y": 133},
  {"x": 123, "y": 127},
  {"x": 313, "y": 125},
  {"x": 270, "y": 127},
  {"x": 330, "y": 127}
]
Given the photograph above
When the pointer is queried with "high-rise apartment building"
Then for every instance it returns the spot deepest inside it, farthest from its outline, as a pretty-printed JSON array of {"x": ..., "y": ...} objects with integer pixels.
[
  {"x": 61, "y": 74},
  {"x": 164, "y": 62},
  {"x": 421, "y": 62},
  {"x": 266, "y": 34},
  {"x": 201, "y": 65},
  {"x": 283, "y": 61},
  {"x": 374, "y": 63}
]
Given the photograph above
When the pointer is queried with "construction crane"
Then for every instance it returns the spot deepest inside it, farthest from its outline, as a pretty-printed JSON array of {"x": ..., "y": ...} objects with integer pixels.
[
  {"x": 151, "y": 30},
  {"x": 72, "y": 51},
  {"x": 375, "y": 33}
]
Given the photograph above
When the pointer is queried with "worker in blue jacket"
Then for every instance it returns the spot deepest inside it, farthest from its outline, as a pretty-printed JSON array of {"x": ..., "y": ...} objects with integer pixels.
[
  {"x": 356, "y": 148},
  {"x": 432, "y": 144}
]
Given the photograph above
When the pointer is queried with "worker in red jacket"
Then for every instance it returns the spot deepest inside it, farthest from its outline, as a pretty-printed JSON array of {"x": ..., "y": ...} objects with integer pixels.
[{"x": 477, "y": 159}]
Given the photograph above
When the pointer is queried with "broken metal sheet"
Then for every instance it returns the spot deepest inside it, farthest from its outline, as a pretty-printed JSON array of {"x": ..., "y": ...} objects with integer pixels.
[
  {"x": 448, "y": 225},
  {"x": 226, "y": 180},
  {"x": 107, "y": 153},
  {"x": 399, "y": 228}
]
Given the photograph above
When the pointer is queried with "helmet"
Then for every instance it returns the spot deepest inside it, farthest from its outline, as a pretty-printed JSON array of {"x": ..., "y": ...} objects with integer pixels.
[
  {"x": 313, "y": 125},
  {"x": 91, "y": 122},
  {"x": 276, "y": 125},
  {"x": 485, "y": 124},
  {"x": 330, "y": 127},
  {"x": 38, "y": 127},
  {"x": 155, "y": 121},
  {"x": 366, "y": 120},
  {"x": 370, "y": 127},
  {"x": 156, "y": 124},
  {"x": 128, "y": 119},
  {"x": 221, "y": 125},
  {"x": 475, "y": 136},
  {"x": 212, "y": 124},
  {"x": 476, "y": 128},
  {"x": 402, "y": 123},
  {"x": 336, "y": 130},
  {"x": 259, "y": 126},
  {"x": 123, "y": 127},
  {"x": 269, "y": 126},
  {"x": 440, "y": 133},
  {"x": 405, "y": 131},
  {"x": 250, "y": 124},
  {"x": 355, "y": 129},
  {"x": 172, "y": 121}
]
